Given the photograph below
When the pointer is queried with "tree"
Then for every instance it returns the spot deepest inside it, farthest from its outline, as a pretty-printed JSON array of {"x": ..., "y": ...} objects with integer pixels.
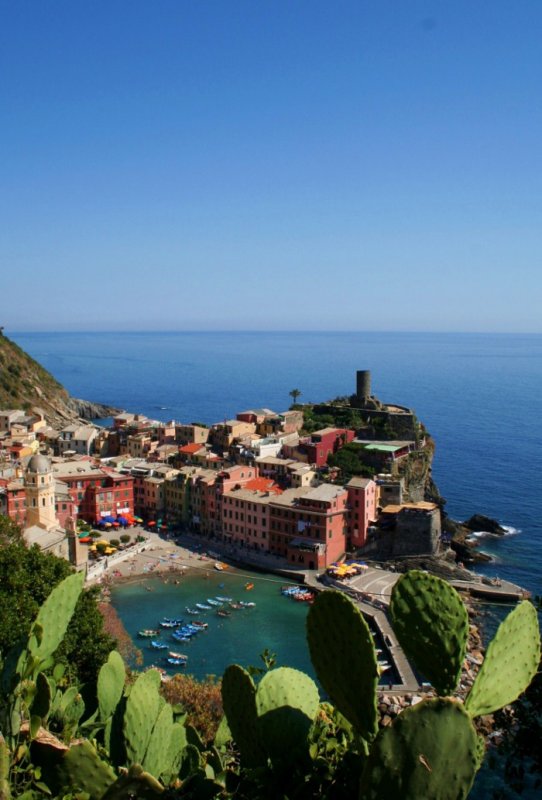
[
  {"x": 27, "y": 577},
  {"x": 294, "y": 394},
  {"x": 10, "y": 532}
]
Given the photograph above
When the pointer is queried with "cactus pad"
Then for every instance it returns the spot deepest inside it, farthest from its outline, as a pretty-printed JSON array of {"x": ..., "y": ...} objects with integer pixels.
[
  {"x": 287, "y": 702},
  {"x": 110, "y": 684},
  {"x": 430, "y": 751},
  {"x": 42, "y": 699},
  {"x": 155, "y": 760},
  {"x": 136, "y": 783},
  {"x": 82, "y": 769},
  {"x": 343, "y": 654},
  {"x": 55, "y": 614},
  {"x": 510, "y": 664},
  {"x": 239, "y": 701},
  {"x": 142, "y": 708},
  {"x": 432, "y": 626}
]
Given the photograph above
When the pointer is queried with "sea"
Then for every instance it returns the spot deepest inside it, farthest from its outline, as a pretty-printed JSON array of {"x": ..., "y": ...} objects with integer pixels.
[{"x": 479, "y": 396}]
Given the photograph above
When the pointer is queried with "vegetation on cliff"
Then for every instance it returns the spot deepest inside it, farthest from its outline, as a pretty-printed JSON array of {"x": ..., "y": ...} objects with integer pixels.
[{"x": 26, "y": 384}]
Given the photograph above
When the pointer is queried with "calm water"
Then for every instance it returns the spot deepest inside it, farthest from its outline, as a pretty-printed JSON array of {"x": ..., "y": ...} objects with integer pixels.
[
  {"x": 276, "y": 623},
  {"x": 479, "y": 395}
]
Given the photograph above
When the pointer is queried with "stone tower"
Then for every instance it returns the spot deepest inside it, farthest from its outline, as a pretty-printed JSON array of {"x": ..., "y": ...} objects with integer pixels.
[
  {"x": 39, "y": 484},
  {"x": 363, "y": 384}
]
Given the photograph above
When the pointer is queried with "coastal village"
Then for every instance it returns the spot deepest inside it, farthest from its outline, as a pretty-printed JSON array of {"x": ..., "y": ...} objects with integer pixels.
[{"x": 258, "y": 482}]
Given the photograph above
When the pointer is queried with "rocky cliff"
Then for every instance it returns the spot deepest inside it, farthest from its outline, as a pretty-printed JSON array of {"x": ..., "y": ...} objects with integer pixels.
[{"x": 26, "y": 384}]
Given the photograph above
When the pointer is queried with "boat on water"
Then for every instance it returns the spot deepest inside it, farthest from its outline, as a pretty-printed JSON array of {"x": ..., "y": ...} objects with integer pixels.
[
  {"x": 203, "y": 607},
  {"x": 236, "y": 606},
  {"x": 199, "y": 624},
  {"x": 192, "y": 611},
  {"x": 176, "y": 662},
  {"x": 213, "y": 602},
  {"x": 158, "y": 645},
  {"x": 222, "y": 613},
  {"x": 172, "y": 623},
  {"x": 249, "y": 585},
  {"x": 148, "y": 633},
  {"x": 173, "y": 654},
  {"x": 244, "y": 604},
  {"x": 224, "y": 599}
]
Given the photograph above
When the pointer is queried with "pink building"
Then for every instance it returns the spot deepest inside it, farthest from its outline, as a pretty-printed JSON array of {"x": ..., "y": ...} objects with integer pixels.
[
  {"x": 308, "y": 525},
  {"x": 362, "y": 501}
]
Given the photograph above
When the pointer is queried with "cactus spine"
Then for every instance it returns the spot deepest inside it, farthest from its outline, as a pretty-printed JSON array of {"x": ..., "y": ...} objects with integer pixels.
[
  {"x": 510, "y": 664},
  {"x": 343, "y": 654},
  {"x": 431, "y": 623}
]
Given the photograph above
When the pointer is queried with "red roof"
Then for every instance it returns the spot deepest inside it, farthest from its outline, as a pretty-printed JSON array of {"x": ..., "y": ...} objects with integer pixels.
[
  {"x": 263, "y": 485},
  {"x": 190, "y": 449}
]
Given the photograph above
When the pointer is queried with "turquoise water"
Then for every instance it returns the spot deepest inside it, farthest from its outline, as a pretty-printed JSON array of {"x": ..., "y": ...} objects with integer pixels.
[{"x": 276, "y": 623}]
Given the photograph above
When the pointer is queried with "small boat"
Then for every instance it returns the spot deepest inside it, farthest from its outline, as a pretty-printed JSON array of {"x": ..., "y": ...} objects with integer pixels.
[
  {"x": 222, "y": 613},
  {"x": 223, "y": 599},
  {"x": 183, "y": 639},
  {"x": 249, "y": 585},
  {"x": 192, "y": 610},
  {"x": 172, "y": 654},
  {"x": 199, "y": 624},
  {"x": 177, "y": 662},
  {"x": 213, "y": 602},
  {"x": 203, "y": 607},
  {"x": 219, "y": 567},
  {"x": 236, "y": 606},
  {"x": 158, "y": 645},
  {"x": 173, "y": 623},
  {"x": 148, "y": 633},
  {"x": 246, "y": 605}
]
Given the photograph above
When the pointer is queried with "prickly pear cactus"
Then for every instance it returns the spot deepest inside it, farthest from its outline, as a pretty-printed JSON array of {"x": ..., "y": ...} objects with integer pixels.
[
  {"x": 110, "y": 684},
  {"x": 287, "y": 702},
  {"x": 136, "y": 783},
  {"x": 343, "y": 654},
  {"x": 432, "y": 626},
  {"x": 430, "y": 751},
  {"x": 55, "y": 614},
  {"x": 239, "y": 701},
  {"x": 5, "y": 792},
  {"x": 82, "y": 769},
  {"x": 42, "y": 699},
  {"x": 155, "y": 760},
  {"x": 142, "y": 708},
  {"x": 510, "y": 664}
]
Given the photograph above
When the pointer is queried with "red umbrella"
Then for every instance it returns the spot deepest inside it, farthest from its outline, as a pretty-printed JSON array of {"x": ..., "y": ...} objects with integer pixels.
[
  {"x": 151, "y": 524},
  {"x": 116, "y": 524}
]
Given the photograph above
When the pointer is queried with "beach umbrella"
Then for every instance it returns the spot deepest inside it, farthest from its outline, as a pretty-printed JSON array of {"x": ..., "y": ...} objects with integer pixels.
[
  {"x": 151, "y": 524},
  {"x": 85, "y": 539},
  {"x": 116, "y": 524}
]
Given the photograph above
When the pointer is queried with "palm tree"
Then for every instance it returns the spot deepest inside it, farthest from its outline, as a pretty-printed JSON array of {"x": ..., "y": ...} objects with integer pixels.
[{"x": 294, "y": 394}]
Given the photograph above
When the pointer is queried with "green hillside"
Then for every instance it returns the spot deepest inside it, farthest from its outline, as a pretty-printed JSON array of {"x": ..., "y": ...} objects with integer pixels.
[{"x": 24, "y": 384}]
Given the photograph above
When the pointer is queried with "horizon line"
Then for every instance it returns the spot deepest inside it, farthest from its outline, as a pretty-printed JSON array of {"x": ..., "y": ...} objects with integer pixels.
[{"x": 272, "y": 331}]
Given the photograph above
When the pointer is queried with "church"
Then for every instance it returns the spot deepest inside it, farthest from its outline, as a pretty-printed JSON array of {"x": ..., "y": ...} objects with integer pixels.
[{"x": 43, "y": 526}]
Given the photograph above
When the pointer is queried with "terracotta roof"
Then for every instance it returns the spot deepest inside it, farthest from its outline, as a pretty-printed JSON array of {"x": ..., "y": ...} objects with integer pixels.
[
  {"x": 263, "y": 485},
  {"x": 190, "y": 449}
]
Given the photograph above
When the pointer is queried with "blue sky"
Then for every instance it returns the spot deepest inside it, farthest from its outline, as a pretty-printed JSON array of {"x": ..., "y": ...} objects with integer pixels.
[{"x": 281, "y": 164}]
